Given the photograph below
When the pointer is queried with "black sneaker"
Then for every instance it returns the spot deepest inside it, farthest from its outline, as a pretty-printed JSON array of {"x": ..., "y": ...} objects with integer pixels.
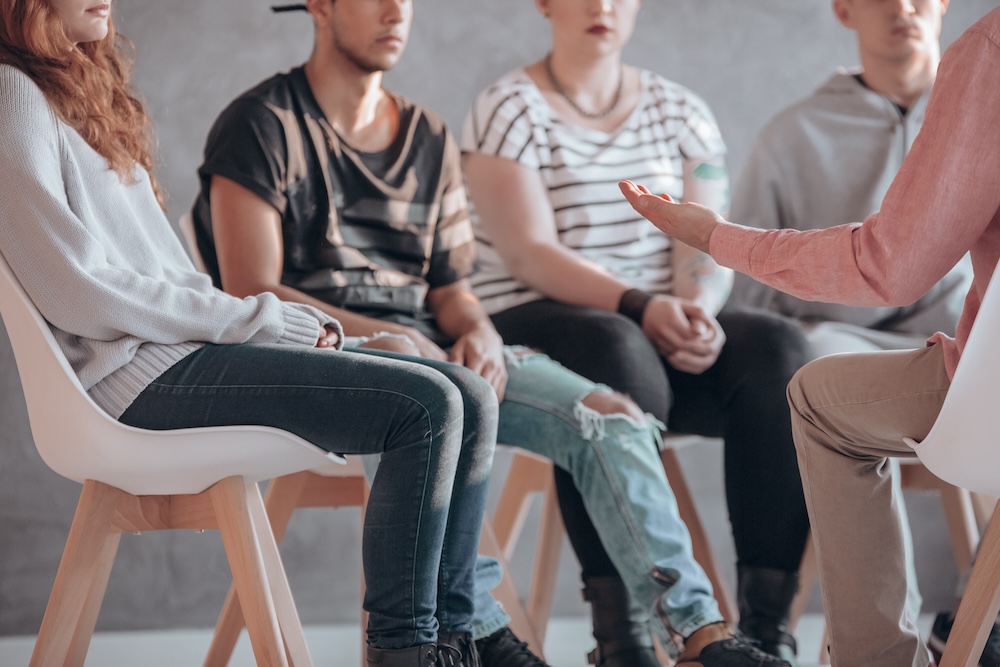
[
  {"x": 939, "y": 637},
  {"x": 729, "y": 651},
  {"x": 504, "y": 649}
]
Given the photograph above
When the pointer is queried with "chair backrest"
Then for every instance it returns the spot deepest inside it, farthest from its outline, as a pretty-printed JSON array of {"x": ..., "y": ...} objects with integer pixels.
[
  {"x": 80, "y": 441},
  {"x": 963, "y": 447}
]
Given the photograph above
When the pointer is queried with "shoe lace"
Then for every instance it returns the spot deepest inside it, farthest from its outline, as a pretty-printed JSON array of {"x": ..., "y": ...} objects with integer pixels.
[
  {"x": 753, "y": 647},
  {"x": 505, "y": 644},
  {"x": 448, "y": 656},
  {"x": 458, "y": 651}
]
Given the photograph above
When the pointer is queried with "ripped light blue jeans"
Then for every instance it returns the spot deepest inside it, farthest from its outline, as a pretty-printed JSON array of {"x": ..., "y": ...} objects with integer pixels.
[
  {"x": 615, "y": 464},
  {"x": 614, "y": 461}
]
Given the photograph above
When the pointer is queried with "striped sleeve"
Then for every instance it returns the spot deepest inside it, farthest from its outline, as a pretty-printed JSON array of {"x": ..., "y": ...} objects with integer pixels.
[
  {"x": 698, "y": 134},
  {"x": 500, "y": 124},
  {"x": 453, "y": 256}
]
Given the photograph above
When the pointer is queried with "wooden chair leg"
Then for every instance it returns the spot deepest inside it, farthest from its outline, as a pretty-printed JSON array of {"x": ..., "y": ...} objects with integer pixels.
[
  {"x": 506, "y": 593},
  {"x": 83, "y": 572},
  {"x": 98, "y": 587},
  {"x": 979, "y": 607},
  {"x": 962, "y": 526},
  {"x": 528, "y": 474},
  {"x": 231, "y": 501},
  {"x": 983, "y": 507},
  {"x": 547, "y": 551},
  {"x": 288, "y": 616},
  {"x": 282, "y": 496},
  {"x": 699, "y": 538}
]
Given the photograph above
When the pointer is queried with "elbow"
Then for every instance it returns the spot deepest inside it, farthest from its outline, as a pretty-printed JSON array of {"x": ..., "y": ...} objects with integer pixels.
[
  {"x": 895, "y": 289},
  {"x": 523, "y": 263},
  {"x": 244, "y": 288}
]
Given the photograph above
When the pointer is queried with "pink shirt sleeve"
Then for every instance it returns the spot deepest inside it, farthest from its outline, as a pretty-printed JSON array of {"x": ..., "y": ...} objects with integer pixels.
[{"x": 939, "y": 207}]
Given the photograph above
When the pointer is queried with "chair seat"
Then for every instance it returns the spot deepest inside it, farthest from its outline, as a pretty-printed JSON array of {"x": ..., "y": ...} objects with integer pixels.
[{"x": 188, "y": 461}]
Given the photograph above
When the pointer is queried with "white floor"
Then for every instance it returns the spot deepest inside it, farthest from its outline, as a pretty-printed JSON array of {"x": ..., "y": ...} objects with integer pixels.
[{"x": 567, "y": 642}]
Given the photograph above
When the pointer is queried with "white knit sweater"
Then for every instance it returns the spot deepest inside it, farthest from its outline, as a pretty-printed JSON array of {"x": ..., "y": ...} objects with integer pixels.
[{"x": 101, "y": 263}]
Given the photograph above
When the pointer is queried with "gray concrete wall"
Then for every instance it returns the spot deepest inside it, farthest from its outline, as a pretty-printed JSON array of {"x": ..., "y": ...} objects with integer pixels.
[{"x": 748, "y": 59}]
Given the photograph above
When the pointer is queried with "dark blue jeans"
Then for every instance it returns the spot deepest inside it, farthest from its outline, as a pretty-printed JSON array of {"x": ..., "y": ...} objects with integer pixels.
[{"x": 433, "y": 423}]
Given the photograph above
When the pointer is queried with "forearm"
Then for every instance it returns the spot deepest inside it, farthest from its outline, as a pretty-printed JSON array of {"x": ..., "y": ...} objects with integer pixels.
[
  {"x": 699, "y": 279},
  {"x": 459, "y": 314},
  {"x": 563, "y": 275},
  {"x": 353, "y": 323}
]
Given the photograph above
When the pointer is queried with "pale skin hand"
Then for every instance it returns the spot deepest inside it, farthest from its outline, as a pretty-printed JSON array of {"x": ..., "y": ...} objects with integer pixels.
[
  {"x": 689, "y": 223},
  {"x": 687, "y": 336},
  {"x": 329, "y": 337}
]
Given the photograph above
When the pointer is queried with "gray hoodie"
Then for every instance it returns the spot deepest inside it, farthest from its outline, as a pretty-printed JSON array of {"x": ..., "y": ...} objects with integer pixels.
[{"x": 829, "y": 160}]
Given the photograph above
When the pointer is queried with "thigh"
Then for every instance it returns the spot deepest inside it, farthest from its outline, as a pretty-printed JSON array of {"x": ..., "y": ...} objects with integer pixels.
[
  {"x": 344, "y": 402},
  {"x": 603, "y": 347},
  {"x": 475, "y": 390},
  {"x": 763, "y": 351},
  {"x": 538, "y": 382},
  {"x": 865, "y": 404},
  {"x": 827, "y": 338}
]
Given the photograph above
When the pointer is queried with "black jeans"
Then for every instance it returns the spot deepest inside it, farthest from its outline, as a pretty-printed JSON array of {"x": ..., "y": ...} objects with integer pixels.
[
  {"x": 741, "y": 399},
  {"x": 434, "y": 424}
]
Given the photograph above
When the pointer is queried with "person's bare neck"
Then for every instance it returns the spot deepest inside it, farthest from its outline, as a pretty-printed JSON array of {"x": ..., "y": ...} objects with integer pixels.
[
  {"x": 587, "y": 79},
  {"x": 904, "y": 81},
  {"x": 354, "y": 102}
]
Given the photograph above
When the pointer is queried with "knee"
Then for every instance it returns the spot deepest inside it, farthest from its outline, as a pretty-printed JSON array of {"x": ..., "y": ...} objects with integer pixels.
[
  {"x": 802, "y": 386},
  {"x": 803, "y": 392},
  {"x": 609, "y": 403},
  {"x": 774, "y": 344},
  {"x": 437, "y": 394},
  {"x": 479, "y": 398},
  {"x": 611, "y": 421}
]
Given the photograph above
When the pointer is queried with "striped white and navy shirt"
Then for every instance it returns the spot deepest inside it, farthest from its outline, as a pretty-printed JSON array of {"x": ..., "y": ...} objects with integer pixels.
[{"x": 581, "y": 169}]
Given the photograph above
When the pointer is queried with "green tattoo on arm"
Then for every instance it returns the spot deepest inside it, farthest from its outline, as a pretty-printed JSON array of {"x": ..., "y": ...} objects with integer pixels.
[
  {"x": 709, "y": 172},
  {"x": 706, "y": 274}
]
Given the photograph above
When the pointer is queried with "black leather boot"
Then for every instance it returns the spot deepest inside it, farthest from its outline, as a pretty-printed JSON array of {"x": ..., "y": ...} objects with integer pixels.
[
  {"x": 764, "y": 596},
  {"x": 416, "y": 656},
  {"x": 456, "y": 649},
  {"x": 622, "y": 640}
]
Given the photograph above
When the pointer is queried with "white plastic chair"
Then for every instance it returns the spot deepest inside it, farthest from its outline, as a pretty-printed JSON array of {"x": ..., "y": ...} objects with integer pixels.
[
  {"x": 137, "y": 480},
  {"x": 962, "y": 448}
]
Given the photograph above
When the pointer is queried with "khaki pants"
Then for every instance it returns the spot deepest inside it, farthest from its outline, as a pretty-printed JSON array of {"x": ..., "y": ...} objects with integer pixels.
[{"x": 850, "y": 413}]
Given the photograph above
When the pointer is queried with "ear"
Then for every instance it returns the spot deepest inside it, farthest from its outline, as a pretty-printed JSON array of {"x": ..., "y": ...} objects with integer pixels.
[
  {"x": 543, "y": 7},
  {"x": 842, "y": 10},
  {"x": 944, "y": 7},
  {"x": 320, "y": 10}
]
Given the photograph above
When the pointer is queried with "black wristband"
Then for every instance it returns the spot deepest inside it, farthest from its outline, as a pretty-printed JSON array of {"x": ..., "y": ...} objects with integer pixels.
[{"x": 633, "y": 304}]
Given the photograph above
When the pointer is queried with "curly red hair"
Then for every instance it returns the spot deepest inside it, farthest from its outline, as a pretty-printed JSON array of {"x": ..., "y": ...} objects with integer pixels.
[{"x": 87, "y": 84}]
